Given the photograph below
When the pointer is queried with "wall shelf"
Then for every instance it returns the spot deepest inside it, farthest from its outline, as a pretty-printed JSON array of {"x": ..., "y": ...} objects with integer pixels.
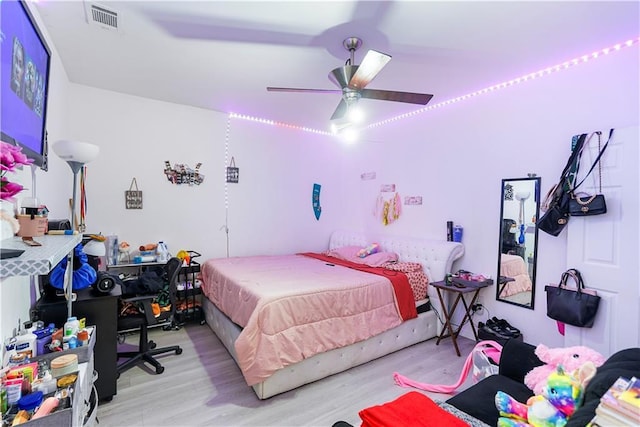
[{"x": 37, "y": 260}]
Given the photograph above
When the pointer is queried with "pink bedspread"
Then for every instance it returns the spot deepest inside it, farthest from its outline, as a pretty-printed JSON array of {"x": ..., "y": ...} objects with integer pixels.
[{"x": 292, "y": 307}]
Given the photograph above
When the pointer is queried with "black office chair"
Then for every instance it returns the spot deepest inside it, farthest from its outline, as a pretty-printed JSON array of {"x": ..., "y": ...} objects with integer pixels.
[{"x": 146, "y": 348}]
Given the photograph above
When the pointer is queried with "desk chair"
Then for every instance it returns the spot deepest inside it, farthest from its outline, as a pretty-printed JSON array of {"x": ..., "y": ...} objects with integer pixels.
[{"x": 141, "y": 321}]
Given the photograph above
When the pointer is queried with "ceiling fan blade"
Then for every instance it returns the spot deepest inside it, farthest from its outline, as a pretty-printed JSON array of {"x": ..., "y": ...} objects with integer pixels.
[
  {"x": 390, "y": 95},
  {"x": 371, "y": 65},
  {"x": 293, "y": 89},
  {"x": 341, "y": 110}
]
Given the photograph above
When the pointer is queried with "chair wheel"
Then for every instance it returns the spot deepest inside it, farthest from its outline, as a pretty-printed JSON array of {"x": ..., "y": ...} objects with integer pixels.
[
  {"x": 179, "y": 351},
  {"x": 152, "y": 345},
  {"x": 159, "y": 369}
]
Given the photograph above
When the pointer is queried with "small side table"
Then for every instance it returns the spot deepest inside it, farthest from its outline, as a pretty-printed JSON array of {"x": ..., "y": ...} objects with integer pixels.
[{"x": 460, "y": 290}]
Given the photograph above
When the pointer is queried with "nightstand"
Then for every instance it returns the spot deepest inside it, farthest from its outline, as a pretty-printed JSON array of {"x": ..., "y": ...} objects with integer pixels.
[{"x": 461, "y": 289}]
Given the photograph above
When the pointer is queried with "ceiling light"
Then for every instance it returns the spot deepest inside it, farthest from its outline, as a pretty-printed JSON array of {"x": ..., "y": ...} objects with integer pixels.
[{"x": 355, "y": 113}]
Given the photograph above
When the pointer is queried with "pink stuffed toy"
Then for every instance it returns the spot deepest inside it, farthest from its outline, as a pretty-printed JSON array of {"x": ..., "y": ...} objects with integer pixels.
[{"x": 570, "y": 358}]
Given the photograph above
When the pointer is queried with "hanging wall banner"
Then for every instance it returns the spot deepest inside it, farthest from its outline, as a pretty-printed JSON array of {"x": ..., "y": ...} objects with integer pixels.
[{"x": 315, "y": 200}]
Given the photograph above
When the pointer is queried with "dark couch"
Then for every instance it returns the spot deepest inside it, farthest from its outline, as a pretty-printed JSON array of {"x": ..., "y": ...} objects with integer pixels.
[{"x": 516, "y": 360}]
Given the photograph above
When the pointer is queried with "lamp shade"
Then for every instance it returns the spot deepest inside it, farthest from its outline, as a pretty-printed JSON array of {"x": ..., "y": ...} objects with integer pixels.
[{"x": 76, "y": 151}]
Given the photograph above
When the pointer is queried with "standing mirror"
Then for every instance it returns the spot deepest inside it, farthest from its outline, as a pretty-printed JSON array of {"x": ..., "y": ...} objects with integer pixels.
[{"x": 518, "y": 247}]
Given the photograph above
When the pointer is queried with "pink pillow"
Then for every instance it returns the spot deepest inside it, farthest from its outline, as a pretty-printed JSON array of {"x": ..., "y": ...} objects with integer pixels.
[
  {"x": 350, "y": 253},
  {"x": 379, "y": 258},
  {"x": 347, "y": 253}
]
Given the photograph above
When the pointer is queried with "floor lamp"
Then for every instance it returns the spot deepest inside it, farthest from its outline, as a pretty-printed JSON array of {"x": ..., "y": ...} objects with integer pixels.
[{"x": 76, "y": 154}]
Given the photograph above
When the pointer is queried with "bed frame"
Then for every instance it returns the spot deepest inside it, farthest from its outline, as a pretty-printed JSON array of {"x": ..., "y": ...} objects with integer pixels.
[{"x": 436, "y": 256}]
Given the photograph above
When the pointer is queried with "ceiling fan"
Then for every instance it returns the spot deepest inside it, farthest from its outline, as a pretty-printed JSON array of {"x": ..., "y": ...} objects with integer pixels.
[{"x": 352, "y": 80}]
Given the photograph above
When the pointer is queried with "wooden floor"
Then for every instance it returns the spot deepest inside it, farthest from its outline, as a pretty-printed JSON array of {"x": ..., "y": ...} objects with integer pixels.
[{"x": 204, "y": 387}]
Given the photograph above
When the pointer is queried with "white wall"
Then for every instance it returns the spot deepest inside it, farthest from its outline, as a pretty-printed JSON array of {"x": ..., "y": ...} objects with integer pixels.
[
  {"x": 456, "y": 156},
  {"x": 269, "y": 209}
]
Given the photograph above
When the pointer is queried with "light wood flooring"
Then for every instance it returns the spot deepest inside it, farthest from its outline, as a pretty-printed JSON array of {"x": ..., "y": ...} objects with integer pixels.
[{"x": 204, "y": 387}]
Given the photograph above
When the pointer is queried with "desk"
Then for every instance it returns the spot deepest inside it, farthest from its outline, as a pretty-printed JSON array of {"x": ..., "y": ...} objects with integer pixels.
[
  {"x": 100, "y": 310},
  {"x": 460, "y": 292}
]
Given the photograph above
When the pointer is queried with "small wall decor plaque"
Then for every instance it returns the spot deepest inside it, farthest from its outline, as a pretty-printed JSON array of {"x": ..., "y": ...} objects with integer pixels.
[
  {"x": 233, "y": 172},
  {"x": 367, "y": 176},
  {"x": 183, "y": 174},
  {"x": 133, "y": 196},
  {"x": 413, "y": 200}
]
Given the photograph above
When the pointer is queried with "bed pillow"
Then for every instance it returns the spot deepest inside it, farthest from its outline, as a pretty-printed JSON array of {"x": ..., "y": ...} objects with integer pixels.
[
  {"x": 379, "y": 259},
  {"x": 350, "y": 253},
  {"x": 347, "y": 253}
]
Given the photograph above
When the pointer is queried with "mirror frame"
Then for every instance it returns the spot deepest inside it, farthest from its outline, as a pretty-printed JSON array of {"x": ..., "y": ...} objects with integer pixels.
[{"x": 530, "y": 265}]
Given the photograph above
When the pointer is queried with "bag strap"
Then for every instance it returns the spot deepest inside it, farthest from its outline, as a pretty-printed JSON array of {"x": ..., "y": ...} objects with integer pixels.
[
  {"x": 403, "y": 381},
  {"x": 597, "y": 161},
  {"x": 574, "y": 157},
  {"x": 575, "y": 275},
  {"x": 134, "y": 184}
]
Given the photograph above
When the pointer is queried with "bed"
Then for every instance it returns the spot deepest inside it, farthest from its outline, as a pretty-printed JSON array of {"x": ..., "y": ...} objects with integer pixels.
[
  {"x": 435, "y": 256},
  {"x": 514, "y": 267}
]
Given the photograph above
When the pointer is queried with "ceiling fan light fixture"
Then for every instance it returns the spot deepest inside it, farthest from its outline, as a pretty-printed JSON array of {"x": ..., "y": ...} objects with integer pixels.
[{"x": 355, "y": 113}]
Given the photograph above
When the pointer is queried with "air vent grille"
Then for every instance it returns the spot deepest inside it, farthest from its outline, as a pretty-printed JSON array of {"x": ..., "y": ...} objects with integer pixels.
[{"x": 101, "y": 16}]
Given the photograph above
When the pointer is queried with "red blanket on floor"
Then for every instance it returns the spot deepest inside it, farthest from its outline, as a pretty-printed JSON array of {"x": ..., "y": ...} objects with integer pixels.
[
  {"x": 399, "y": 281},
  {"x": 409, "y": 410}
]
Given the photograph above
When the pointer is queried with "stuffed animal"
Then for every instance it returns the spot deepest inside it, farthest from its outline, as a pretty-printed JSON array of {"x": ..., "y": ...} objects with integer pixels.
[
  {"x": 561, "y": 396},
  {"x": 366, "y": 251},
  {"x": 571, "y": 358}
]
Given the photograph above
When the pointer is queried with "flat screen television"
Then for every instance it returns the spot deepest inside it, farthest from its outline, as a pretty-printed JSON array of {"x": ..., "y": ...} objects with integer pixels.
[{"x": 24, "y": 81}]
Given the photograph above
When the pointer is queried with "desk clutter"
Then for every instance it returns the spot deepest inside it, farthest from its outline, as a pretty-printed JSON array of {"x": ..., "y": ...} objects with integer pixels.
[
  {"x": 467, "y": 279},
  {"x": 40, "y": 369}
]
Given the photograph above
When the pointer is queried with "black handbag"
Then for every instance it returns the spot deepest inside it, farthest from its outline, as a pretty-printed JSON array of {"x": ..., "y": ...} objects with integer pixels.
[
  {"x": 588, "y": 205},
  {"x": 576, "y": 307},
  {"x": 556, "y": 202},
  {"x": 582, "y": 204},
  {"x": 557, "y": 215}
]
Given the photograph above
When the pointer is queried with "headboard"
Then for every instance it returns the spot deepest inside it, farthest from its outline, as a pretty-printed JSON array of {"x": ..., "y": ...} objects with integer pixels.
[{"x": 436, "y": 256}]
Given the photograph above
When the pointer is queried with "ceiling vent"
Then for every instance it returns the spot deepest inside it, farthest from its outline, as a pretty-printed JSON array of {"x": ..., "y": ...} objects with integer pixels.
[{"x": 101, "y": 16}]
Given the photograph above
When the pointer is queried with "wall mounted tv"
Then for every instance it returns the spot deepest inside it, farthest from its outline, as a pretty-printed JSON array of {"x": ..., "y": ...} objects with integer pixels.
[{"x": 24, "y": 81}]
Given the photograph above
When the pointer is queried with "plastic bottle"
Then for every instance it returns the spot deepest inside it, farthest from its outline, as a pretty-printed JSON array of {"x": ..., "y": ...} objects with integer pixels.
[
  {"x": 162, "y": 251},
  {"x": 26, "y": 344},
  {"x": 457, "y": 233},
  {"x": 71, "y": 326}
]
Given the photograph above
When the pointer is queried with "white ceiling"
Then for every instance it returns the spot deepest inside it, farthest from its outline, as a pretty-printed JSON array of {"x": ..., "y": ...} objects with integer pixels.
[{"x": 221, "y": 55}]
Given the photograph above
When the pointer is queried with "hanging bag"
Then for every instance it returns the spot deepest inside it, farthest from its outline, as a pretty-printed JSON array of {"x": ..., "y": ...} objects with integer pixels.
[
  {"x": 556, "y": 202},
  {"x": 576, "y": 307},
  {"x": 582, "y": 204}
]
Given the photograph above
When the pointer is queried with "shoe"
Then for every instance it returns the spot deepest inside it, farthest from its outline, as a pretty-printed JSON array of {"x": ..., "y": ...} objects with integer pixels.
[
  {"x": 506, "y": 326},
  {"x": 493, "y": 332}
]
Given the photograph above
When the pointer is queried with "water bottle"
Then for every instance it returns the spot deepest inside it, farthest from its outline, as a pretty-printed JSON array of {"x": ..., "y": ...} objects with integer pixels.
[
  {"x": 162, "y": 252},
  {"x": 71, "y": 326}
]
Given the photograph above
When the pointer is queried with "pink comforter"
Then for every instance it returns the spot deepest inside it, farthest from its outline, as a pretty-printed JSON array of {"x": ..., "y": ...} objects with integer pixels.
[
  {"x": 292, "y": 307},
  {"x": 514, "y": 266}
]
